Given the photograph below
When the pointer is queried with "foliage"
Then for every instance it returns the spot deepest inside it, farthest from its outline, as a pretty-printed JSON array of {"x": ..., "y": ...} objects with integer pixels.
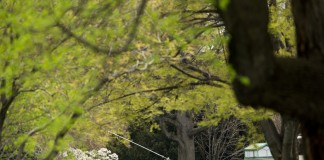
[
  {"x": 75, "y": 69},
  {"x": 281, "y": 27},
  {"x": 50, "y": 65}
]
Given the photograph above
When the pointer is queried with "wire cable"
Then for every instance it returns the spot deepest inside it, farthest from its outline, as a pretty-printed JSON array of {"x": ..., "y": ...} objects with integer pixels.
[{"x": 119, "y": 136}]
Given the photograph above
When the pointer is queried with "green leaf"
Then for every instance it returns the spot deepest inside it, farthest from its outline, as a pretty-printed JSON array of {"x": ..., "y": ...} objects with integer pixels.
[
  {"x": 223, "y": 4},
  {"x": 244, "y": 80}
]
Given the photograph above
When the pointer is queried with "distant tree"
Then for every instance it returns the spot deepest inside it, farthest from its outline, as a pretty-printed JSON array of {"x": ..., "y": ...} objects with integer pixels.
[
  {"x": 223, "y": 141},
  {"x": 181, "y": 128}
]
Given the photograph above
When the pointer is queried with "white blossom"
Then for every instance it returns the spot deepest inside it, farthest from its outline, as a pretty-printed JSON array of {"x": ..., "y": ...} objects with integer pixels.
[{"x": 101, "y": 154}]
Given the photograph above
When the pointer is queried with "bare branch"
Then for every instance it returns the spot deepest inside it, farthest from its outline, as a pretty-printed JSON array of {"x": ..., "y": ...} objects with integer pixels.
[
  {"x": 154, "y": 90},
  {"x": 137, "y": 21},
  {"x": 81, "y": 40},
  {"x": 95, "y": 48},
  {"x": 207, "y": 76},
  {"x": 202, "y": 11},
  {"x": 187, "y": 74}
]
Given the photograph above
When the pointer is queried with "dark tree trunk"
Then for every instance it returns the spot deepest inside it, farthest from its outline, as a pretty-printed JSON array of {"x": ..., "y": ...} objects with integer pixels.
[
  {"x": 289, "y": 138},
  {"x": 293, "y": 87},
  {"x": 272, "y": 137},
  {"x": 309, "y": 22},
  {"x": 282, "y": 142},
  {"x": 313, "y": 138}
]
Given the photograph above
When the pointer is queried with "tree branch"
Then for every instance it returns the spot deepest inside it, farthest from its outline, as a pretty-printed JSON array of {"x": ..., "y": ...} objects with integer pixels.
[
  {"x": 81, "y": 40},
  {"x": 95, "y": 48},
  {"x": 75, "y": 115},
  {"x": 61, "y": 135},
  {"x": 197, "y": 130},
  {"x": 169, "y": 120},
  {"x": 137, "y": 21},
  {"x": 168, "y": 134},
  {"x": 289, "y": 86},
  {"x": 6, "y": 102},
  {"x": 154, "y": 90},
  {"x": 187, "y": 74},
  {"x": 207, "y": 76}
]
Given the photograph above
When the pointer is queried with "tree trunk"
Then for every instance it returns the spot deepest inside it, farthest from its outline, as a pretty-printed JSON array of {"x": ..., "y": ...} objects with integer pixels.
[
  {"x": 289, "y": 136},
  {"x": 293, "y": 87},
  {"x": 282, "y": 142},
  {"x": 272, "y": 137},
  {"x": 308, "y": 16},
  {"x": 183, "y": 133},
  {"x": 313, "y": 138},
  {"x": 186, "y": 148}
]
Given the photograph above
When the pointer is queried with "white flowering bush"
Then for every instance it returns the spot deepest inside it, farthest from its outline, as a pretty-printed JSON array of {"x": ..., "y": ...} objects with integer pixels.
[{"x": 101, "y": 154}]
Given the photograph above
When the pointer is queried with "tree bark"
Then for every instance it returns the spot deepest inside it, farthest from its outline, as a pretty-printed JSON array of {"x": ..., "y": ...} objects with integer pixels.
[
  {"x": 272, "y": 137},
  {"x": 289, "y": 138},
  {"x": 309, "y": 23},
  {"x": 186, "y": 148},
  {"x": 272, "y": 82},
  {"x": 183, "y": 135},
  {"x": 283, "y": 144},
  {"x": 293, "y": 87}
]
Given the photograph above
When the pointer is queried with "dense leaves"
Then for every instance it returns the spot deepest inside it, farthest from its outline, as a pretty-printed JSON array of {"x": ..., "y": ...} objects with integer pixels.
[{"x": 71, "y": 70}]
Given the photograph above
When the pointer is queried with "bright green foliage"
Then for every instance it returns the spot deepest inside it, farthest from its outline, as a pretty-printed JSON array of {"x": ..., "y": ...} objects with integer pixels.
[
  {"x": 147, "y": 93},
  {"x": 47, "y": 53},
  {"x": 281, "y": 26},
  {"x": 57, "y": 53},
  {"x": 223, "y": 4}
]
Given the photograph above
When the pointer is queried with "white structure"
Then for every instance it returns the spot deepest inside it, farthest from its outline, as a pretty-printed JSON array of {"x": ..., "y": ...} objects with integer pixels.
[
  {"x": 261, "y": 151},
  {"x": 257, "y": 151}
]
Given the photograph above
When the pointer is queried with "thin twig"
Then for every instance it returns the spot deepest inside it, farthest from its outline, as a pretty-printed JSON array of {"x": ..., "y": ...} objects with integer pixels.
[{"x": 154, "y": 90}]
